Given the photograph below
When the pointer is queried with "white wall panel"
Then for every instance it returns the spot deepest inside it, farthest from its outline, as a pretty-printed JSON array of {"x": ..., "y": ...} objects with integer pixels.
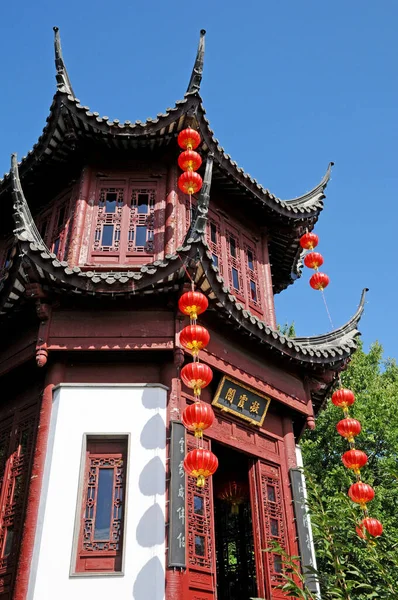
[{"x": 139, "y": 411}]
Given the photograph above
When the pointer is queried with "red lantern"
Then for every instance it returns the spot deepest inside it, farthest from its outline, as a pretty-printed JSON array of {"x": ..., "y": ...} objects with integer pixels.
[
  {"x": 313, "y": 260},
  {"x": 349, "y": 428},
  {"x": 309, "y": 241},
  {"x": 319, "y": 281},
  {"x": 361, "y": 493},
  {"x": 372, "y": 526},
  {"x": 197, "y": 417},
  {"x": 200, "y": 463},
  {"x": 190, "y": 182},
  {"x": 354, "y": 459},
  {"x": 194, "y": 338},
  {"x": 343, "y": 398},
  {"x": 235, "y": 494},
  {"x": 193, "y": 304},
  {"x": 189, "y": 160},
  {"x": 196, "y": 376},
  {"x": 188, "y": 139}
]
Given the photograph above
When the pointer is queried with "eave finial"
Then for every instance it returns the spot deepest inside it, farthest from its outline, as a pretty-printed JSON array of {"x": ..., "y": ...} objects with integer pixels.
[
  {"x": 198, "y": 228},
  {"x": 63, "y": 81},
  {"x": 197, "y": 71}
]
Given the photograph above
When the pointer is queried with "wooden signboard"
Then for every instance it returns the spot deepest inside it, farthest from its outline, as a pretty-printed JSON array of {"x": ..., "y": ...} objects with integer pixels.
[{"x": 242, "y": 401}]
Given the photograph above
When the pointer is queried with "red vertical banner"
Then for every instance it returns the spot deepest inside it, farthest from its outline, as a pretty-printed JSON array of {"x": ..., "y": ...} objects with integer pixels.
[{"x": 201, "y": 558}]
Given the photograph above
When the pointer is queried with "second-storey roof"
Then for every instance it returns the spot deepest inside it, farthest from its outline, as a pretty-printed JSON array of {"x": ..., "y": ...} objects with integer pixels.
[{"x": 74, "y": 133}]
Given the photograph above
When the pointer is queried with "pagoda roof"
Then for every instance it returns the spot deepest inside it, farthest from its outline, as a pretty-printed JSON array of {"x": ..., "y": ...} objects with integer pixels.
[
  {"x": 73, "y": 129},
  {"x": 32, "y": 261}
]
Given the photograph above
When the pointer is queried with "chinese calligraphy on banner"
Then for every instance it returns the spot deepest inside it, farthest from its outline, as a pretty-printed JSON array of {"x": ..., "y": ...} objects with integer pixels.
[
  {"x": 177, "y": 496},
  {"x": 242, "y": 401}
]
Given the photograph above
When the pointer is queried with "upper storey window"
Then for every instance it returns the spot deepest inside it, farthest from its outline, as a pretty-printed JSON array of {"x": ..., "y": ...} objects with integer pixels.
[
  {"x": 124, "y": 222},
  {"x": 53, "y": 226}
]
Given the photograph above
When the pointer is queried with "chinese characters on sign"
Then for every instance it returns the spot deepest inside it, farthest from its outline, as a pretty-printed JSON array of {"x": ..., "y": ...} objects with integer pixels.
[
  {"x": 242, "y": 401},
  {"x": 177, "y": 496}
]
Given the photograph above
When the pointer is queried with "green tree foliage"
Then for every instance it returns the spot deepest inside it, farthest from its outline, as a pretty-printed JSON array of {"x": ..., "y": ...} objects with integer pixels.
[{"x": 348, "y": 567}]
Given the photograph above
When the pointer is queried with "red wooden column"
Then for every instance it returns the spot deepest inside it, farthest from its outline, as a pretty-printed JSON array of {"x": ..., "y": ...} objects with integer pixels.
[
  {"x": 170, "y": 236},
  {"x": 54, "y": 376},
  {"x": 268, "y": 291},
  {"x": 79, "y": 218}
]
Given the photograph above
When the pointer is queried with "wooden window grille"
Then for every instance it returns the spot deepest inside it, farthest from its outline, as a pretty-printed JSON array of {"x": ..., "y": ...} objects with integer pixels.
[
  {"x": 141, "y": 222},
  {"x": 214, "y": 242},
  {"x": 17, "y": 441},
  {"x": 252, "y": 282},
  {"x": 273, "y": 519},
  {"x": 190, "y": 208},
  {"x": 234, "y": 263},
  {"x": 124, "y": 230},
  {"x": 54, "y": 225},
  {"x": 200, "y": 526},
  {"x": 100, "y": 542},
  {"x": 109, "y": 219}
]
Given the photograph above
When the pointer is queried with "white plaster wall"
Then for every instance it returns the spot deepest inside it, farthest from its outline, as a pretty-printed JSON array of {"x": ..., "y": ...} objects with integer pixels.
[{"x": 78, "y": 409}]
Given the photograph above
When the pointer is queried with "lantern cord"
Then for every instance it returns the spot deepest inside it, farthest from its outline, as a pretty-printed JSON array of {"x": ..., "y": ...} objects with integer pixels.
[
  {"x": 327, "y": 308},
  {"x": 186, "y": 271}
]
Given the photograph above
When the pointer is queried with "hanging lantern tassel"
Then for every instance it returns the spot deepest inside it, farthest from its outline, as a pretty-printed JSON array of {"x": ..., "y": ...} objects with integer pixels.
[
  {"x": 197, "y": 417},
  {"x": 235, "y": 494},
  {"x": 194, "y": 338},
  {"x": 196, "y": 376},
  {"x": 349, "y": 428},
  {"x": 372, "y": 526},
  {"x": 309, "y": 241},
  {"x": 361, "y": 493},
  {"x": 319, "y": 281},
  {"x": 201, "y": 464},
  {"x": 313, "y": 260},
  {"x": 354, "y": 460},
  {"x": 343, "y": 398},
  {"x": 193, "y": 304},
  {"x": 188, "y": 139}
]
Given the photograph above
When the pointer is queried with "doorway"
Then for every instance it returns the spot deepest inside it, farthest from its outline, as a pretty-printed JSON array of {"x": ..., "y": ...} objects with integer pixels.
[{"x": 235, "y": 557}]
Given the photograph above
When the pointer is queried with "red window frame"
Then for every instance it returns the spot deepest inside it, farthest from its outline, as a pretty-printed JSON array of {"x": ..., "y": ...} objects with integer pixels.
[
  {"x": 125, "y": 220},
  {"x": 95, "y": 554}
]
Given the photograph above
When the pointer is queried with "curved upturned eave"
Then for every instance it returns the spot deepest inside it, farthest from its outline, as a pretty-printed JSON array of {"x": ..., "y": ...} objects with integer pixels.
[{"x": 302, "y": 209}]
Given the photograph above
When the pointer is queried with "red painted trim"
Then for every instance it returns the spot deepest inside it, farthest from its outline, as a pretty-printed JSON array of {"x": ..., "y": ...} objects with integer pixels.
[{"x": 53, "y": 377}]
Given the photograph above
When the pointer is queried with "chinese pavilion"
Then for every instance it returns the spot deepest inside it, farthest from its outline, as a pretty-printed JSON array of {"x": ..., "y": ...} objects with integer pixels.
[{"x": 97, "y": 244}]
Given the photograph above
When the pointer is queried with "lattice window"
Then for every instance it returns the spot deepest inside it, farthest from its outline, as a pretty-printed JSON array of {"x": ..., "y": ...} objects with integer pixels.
[
  {"x": 53, "y": 226},
  {"x": 190, "y": 208},
  {"x": 17, "y": 438},
  {"x": 101, "y": 529},
  {"x": 274, "y": 519},
  {"x": 252, "y": 282},
  {"x": 141, "y": 222},
  {"x": 199, "y": 505},
  {"x": 234, "y": 263},
  {"x": 109, "y": 219},
  {"x": 214, "y": 242}
]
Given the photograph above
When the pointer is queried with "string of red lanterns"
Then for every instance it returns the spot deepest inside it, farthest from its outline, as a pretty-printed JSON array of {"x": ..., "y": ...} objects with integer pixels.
[
  {"x": 359, "y": 492},
  {"x": 314, "y": 260},
  {"x": 199, "y": 416}
]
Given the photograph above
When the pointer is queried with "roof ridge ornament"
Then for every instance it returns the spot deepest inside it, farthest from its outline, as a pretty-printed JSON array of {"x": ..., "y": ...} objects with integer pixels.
[
  {"x": 197, "y": 71},
  {"x": 63, "y": 81},
  {"x": 197, "y": 230}
]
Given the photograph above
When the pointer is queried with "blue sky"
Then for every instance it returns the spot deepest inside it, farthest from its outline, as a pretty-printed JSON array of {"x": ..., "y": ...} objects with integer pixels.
[{"x": 288, "y": 86}]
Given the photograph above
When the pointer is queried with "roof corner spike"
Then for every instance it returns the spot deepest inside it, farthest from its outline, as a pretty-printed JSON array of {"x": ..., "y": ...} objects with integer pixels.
[
  {"x": 197, "y": 71},
  {"x": 197, "y": 230},
  {"x": 63, "y": 81}
]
